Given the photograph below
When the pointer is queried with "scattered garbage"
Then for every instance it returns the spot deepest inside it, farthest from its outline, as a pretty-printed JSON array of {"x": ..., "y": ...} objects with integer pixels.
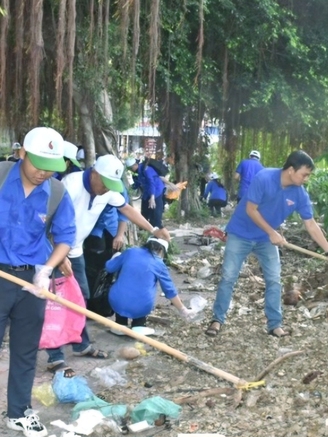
[
  {"x": 84, "y": 425},
  {"x": 108, "y": 376},
  {"x": 106, "y": 409},
  {"x": 73, "y": 389},
  {"x": 128, "y": 352},
  {"x": 198, "y": 303},
  {"x": 44, "y": 393},
  {"x": 150, "y": 409}
]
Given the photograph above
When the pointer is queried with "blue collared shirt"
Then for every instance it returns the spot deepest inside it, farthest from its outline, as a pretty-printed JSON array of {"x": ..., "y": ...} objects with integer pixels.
[
  {"x": 275, "y": 204},
  {"x": 23, "y": 221}
]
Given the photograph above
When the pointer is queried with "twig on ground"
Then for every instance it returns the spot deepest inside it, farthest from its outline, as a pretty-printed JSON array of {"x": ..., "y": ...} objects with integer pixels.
[{"x": 274, "y": 363}]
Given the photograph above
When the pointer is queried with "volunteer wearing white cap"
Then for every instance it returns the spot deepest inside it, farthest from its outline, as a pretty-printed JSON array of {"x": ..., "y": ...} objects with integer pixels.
[
  {"x": 246, "y": 171},
  {"x": 24, "y": 253},
  {"x": 218, "y": 196},
  {"x": 133, "y": 294},
  {"x": 16, "y": 147},
  {"x": 71, "y": 163},
  {"x": 91, "y": 190}
]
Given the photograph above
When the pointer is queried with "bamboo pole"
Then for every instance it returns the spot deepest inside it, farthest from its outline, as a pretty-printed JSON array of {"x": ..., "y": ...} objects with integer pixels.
[{"x": 109, "y": 323}]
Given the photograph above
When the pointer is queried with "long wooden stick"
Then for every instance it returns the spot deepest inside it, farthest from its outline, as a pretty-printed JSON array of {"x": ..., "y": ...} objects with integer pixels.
[
  {"x": 154, "y": 343},
  {"x": 306, "y": 251}
]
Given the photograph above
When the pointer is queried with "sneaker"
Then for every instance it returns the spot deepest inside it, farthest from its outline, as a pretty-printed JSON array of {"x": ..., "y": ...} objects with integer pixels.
[
  {"x": 30, "y": 425},
  {"x": 117, "y": 331}
]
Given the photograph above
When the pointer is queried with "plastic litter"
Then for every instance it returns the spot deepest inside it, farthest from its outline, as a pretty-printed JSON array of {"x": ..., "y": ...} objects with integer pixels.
[
  {"x": 198, "y": 303},
  {"x": 45, "y": 394},
  {"x": 95, "y": 403},
  {"x": 150, "y": 409},
  {"x": 84, "y": 425},
  {"x": 108, "y": 376},
  {"x": 74, "y": 389}
]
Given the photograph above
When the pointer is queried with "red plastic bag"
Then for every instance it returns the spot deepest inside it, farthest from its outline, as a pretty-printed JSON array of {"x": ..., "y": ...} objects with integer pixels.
[
  {"x": 215, "y": 232},
  {"x": 61, "y": 324}
]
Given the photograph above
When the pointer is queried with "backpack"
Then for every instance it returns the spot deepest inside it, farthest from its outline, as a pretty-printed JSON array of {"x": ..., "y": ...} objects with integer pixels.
[
  {"x": 158, "y": 166},
  {"x": 57, "y": 191}
]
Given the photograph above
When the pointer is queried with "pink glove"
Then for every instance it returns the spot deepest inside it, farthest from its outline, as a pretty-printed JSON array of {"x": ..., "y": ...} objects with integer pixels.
[
  {"x": 186, "y": 314},
  {"x": 41, "y": 280}
]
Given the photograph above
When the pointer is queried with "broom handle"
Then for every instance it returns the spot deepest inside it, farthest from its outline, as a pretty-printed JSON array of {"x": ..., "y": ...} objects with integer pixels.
[
  {"x": 154, "y": 343},
  {"x": 306, "y": 251}
]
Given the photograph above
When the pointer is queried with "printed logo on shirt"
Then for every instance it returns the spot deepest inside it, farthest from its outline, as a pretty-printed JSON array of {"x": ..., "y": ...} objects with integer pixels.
[
  {"x": 290, "y": 202},
  {"x": 43, "y": 217}
]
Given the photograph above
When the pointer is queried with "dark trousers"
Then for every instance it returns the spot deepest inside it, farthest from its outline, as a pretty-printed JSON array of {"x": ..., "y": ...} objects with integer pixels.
[
  {"x": 215, "y": 206},
  {"x": 26, "y": 314},
  {"x": 135, "y": 322},
  {"x": 154, "y": 216}
]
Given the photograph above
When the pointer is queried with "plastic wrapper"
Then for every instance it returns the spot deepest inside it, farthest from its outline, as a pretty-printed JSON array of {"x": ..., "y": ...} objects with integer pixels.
[
  {"x": 150, "y": 410},
  {"x": 108, "y": 376},
  {"x": 45, "y": 394},
  {"x": 74, "y": 389},
  {"x": 106, "y": 409}
]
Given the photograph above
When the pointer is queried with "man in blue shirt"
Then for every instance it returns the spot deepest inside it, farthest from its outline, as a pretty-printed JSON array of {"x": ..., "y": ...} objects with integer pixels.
[
  {"x": 24, "y": 253},
  {"x": 152, "y": 203},
  {"x": 246, "y": 170},
  {"x": 273, "y": 195}
]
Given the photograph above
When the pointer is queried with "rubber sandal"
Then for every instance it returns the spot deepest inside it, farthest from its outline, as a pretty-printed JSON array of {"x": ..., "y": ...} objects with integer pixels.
[
  {"x": 68, "y": 371},
  {"x": 213, "y": 331},
  {"x": 92, "y": 353},
  {"x": 285, "y": 333}
]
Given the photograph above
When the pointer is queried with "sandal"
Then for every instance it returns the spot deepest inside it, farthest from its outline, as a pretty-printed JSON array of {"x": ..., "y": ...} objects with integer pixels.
[
  {"x": 274, "y": 334},
  {"x": 92, "y": 353},
  {"x": 213, "y": 330},
  {"x": 68, "y": 371}
]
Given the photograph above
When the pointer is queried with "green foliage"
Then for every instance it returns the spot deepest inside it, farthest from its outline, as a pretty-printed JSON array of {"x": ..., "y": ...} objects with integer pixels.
[{"x": 318, "y": 190}]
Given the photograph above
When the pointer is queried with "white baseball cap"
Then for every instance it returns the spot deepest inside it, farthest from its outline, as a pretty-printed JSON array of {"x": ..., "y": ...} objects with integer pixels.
[
  {"x": 214, "y": 176},
  {"x": 45, "y": 149},
  {"x": 130, "y": 162},
  {"x": 80, "y": 154},
  {"x": 162, "y": 242},
  {"x": 16, "y": 146},
  {"x": 70, "y": 152},
  {"x": 110, "y": 169},
  {"x": 256, "y": 154}
]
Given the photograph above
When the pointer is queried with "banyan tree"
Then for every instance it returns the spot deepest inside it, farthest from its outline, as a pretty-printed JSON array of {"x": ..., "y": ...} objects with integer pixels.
[{"x": 88, "y": 67}]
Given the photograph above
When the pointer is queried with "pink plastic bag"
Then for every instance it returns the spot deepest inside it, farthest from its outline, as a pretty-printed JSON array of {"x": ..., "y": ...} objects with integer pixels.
[{"x": 61, "y": 324}]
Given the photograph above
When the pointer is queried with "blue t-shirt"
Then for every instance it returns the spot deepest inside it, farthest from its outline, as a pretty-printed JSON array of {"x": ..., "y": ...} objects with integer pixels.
[
  {"x": 247, "y": 169},
  {"x": 150, "y": 182},
  {"x": 133, "y": 294},
  {"x": 23, "y": 237},
  {"x": 275, "y": 204},
  {"x": 216, "y": 191}
]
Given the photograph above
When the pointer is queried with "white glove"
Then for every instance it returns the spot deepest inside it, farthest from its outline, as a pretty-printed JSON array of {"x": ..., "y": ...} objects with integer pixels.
[
  {"x": 41, "y": 280},
  {"x": 186, "y": 314},
  {"x": 116, "y": 255},
  {"x": 152, "y": 203}
]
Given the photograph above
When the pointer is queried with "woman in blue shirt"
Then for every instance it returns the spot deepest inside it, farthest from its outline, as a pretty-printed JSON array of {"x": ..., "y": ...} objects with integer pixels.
[
  {"x": 218, "y": 195},
  {"x": 133, "y": 294}
]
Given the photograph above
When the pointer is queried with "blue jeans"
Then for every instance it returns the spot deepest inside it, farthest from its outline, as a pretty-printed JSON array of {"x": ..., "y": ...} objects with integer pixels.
[
  {"x": 236, "y": 251},
  {"x": 78, "y": 267}
]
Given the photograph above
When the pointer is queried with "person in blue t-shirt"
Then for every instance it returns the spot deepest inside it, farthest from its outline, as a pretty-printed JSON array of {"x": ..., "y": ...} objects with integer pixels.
[
  {"x": 133, "y": 294},
  {"x": 152, "y": 202},
  {"x": 246, "y": 170},
  {"x": 218, "y": 195},
  {"x": 273, "y": 195},
  {"x": 24, "y": 253}
]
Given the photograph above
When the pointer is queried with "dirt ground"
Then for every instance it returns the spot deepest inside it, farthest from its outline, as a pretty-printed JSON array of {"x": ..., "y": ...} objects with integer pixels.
[{"x": 293, "y": 400}]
